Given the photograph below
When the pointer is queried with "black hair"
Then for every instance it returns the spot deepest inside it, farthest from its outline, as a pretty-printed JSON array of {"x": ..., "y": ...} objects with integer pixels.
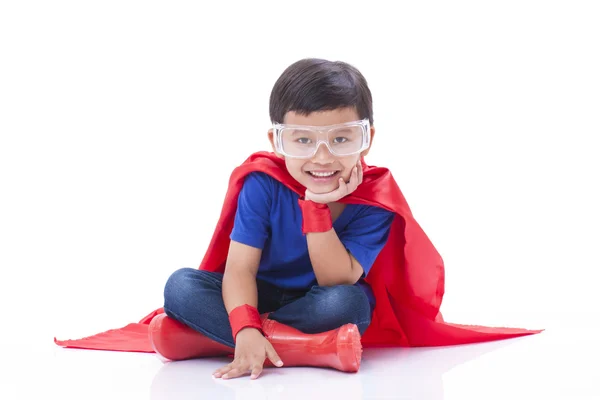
[{"x": 314, "y": 84}]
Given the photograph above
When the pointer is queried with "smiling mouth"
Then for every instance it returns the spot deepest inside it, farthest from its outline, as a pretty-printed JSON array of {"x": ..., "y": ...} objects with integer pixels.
[{"x": 322, "y": 174}]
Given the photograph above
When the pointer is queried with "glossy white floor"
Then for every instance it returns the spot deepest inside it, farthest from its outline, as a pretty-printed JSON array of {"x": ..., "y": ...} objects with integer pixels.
[{"x": 556, "y": 364}]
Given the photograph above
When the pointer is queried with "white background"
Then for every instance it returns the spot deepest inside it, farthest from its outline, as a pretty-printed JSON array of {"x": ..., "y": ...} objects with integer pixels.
[{"x": 120, "y": 123}]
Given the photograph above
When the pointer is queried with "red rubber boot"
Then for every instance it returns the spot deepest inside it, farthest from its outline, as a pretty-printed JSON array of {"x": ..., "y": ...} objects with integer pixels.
[
  {"x": 175, "y": 341},
  {"x": 339, "y": 348}
]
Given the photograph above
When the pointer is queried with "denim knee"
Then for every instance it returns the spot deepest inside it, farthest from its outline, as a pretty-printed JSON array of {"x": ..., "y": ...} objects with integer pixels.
[
  {"x": 342, "y": 304},
  {"x": 181, "y": 287}
]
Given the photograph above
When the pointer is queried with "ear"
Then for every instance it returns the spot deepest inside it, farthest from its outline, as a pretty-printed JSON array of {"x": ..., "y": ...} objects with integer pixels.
[
  {"x": 365, "y": 152},
  {"x": 272, "y": 141}
]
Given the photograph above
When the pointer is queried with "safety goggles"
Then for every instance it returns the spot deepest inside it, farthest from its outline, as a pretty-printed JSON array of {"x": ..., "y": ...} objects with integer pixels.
[{"x": 303, "y": 141}]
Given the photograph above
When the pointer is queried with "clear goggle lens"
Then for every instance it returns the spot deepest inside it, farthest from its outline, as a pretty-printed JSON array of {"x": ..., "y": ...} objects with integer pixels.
[{"x": 341, "y": 141}]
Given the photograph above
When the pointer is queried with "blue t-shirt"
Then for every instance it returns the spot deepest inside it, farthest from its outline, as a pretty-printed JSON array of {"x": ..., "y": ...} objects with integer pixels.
[{"x": 268, "y": 217}]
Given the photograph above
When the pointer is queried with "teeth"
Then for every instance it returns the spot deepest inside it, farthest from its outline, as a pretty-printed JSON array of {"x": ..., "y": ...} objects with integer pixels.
[{"x": 322, "y": 174}]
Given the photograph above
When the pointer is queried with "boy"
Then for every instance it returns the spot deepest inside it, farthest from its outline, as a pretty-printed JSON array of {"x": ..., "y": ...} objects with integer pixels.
[
  {"x": 303, "y": 259},
  {"x": 315, "y": 255}
]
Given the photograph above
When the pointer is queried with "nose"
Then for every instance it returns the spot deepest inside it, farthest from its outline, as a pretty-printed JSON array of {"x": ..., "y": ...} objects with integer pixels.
[{"x": 322, "y": 155}]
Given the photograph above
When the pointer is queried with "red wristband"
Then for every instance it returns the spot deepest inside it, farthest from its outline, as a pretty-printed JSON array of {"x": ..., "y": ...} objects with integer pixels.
[
  {"x": 316, "y": 217},
  {"x": 243, "y": 317}
]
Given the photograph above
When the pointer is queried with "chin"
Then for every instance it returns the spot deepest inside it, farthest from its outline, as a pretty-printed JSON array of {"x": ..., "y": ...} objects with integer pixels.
[
  {"x": 320, "y": 187},
  {"x": 322, "y": 190}
]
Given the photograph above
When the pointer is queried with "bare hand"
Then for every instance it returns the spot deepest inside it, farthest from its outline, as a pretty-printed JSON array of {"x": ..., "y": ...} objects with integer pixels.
[
  {"x": 343, "y": 190},
  {"x": 251, "y": 350}
]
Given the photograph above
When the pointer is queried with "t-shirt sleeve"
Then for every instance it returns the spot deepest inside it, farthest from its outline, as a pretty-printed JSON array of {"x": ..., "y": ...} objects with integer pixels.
[
  {"x": 251, "y": 225},
  {"x": 367, "y": 234}
]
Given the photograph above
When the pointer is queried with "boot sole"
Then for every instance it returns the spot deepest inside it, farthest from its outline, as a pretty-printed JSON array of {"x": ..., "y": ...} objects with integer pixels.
[{"x": 349, "y": 348}]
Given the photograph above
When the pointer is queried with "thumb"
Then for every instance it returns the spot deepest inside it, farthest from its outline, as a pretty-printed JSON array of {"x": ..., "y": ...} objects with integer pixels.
[{"x": 272, "y": 355}]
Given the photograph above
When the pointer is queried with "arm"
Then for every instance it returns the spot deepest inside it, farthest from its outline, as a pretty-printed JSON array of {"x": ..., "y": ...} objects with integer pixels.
[
  {"x": 239, "y": 279},
  {"x": 239, "y": 288},
  {"x": 332, "y": 263},
  {"x": 344, "y": 259},
  {"x": 250, "y": 230}
]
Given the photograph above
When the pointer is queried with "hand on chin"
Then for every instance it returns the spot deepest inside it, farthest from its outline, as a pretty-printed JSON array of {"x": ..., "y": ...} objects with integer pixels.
[{"x": 334, "y": 193}]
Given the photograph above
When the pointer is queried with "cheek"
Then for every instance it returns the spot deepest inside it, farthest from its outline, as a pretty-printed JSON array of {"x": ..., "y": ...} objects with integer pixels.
[
  {"x": 294, "y": 166},
  {"x": 348, "y": 165}
]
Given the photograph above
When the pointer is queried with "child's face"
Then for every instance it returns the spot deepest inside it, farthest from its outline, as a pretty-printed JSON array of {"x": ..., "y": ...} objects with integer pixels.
[{"x": 323, "y": 160}]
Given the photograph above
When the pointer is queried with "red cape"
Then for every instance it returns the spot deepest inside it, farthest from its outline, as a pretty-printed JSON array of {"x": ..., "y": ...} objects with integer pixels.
[{"x": 407, "y": 277}]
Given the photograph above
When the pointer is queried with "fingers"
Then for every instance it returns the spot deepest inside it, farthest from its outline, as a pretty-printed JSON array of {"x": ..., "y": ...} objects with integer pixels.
[
  {"x": 353, "y": 184},
  {"x": 231, "y": 370},
  {"x": 256, "y": 370},
  {"x": 273, "y": 356},
  {"x": 237, "y": 369},
  {"x": 223, "y": 370},
  {"x": 236, "y": 372},
  {"x": 343, "y": 188},
  {"x": 360, "y": 172},
  {"x": 317, "y": 198}
]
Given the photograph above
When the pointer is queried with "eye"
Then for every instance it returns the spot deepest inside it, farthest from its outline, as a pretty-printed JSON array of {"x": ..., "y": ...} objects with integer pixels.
[
  {"x": 340, "y": 139},
  {"x": 303, "y": 140}
]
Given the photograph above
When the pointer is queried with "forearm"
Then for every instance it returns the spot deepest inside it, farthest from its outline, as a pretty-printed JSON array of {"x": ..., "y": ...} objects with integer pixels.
[
  {"x": 239, "y": 288},
  {"x": 331, "y": 261},
  {"x": 240, "y": 295}
]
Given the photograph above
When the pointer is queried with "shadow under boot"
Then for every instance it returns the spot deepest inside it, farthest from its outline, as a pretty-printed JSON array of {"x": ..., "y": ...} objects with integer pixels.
[
  {"x": 173, "y": 341},
  {"x": 339, "y": 348}
]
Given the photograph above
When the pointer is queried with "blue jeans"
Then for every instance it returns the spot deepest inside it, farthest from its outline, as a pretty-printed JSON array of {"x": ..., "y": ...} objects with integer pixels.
[{"x": 194, "y": 297}]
